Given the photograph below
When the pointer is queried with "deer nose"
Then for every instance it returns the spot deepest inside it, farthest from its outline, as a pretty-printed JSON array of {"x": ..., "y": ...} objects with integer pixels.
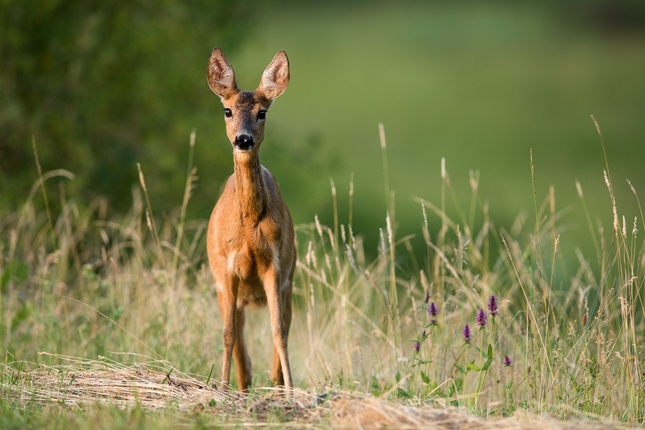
[{"x": 244, "y": 142}]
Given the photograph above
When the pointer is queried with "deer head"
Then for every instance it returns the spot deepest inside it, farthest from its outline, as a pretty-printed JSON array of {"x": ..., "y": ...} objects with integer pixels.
[{"x": 245, "y": 111}]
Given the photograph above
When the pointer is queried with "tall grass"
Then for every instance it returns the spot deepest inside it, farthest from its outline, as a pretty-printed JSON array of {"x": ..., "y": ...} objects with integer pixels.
[{"x": 566, "y": 339}]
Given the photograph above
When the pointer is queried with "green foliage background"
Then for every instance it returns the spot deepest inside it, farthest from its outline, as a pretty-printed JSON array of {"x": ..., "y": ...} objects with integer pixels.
[
  {"x": 480, "y": 84},
  {"x": 101, "y": 87}
]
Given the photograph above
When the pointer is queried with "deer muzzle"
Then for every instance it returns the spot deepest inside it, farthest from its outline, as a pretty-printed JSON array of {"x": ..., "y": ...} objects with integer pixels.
[{"x": 244, "y": 142}]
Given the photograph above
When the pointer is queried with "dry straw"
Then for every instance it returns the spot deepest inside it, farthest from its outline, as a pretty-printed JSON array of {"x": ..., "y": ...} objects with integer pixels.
[{"x": 82, "y": 383}]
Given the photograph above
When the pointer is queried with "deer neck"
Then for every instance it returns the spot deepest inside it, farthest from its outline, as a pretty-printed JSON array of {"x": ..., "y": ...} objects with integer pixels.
[{"x": 250, "y": 187}]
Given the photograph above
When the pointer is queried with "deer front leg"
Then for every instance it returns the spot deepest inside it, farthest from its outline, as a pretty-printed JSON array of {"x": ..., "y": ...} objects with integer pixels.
[
  {"x": 276, "y": 374},
  {"x": 227, "y": 299},
  {"x": 279, "y": 329}
]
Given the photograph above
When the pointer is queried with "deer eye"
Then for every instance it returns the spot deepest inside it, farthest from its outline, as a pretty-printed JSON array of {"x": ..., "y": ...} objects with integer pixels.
[
  {"x": 262, "y": 114},
  {"x": 228, "y": 113}
]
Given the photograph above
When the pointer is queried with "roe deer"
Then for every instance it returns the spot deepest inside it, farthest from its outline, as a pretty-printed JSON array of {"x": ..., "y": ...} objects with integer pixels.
[{"x": 251, "y": 242}]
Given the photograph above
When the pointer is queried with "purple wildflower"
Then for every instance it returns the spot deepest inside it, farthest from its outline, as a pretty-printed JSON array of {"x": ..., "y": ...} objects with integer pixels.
[
  {"x": 433, "y": 310},
  {"x": 417, "y": 345},
  {"x": 481, "y": 318},
  {"x": 507, "y": 361},
  {"x": 467, "y": 334},
  {"x": 492, "y": 305}
]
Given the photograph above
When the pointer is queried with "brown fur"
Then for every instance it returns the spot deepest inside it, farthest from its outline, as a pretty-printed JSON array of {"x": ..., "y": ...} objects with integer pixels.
[{"x": 251, "y": 241}]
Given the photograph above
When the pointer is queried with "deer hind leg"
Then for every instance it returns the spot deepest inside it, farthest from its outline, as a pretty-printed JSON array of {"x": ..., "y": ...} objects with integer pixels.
[
  {"x": 242, "y": 360},
  {"x": 280, "y": 323},
  {"x": 227, "y": 299}
]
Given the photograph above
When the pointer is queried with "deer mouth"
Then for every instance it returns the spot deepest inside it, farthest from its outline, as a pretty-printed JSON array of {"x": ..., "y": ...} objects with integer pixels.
[{"x": 244, "y": 147}]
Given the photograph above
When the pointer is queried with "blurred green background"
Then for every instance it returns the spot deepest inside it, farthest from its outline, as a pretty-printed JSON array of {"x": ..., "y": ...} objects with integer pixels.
[{"x": 102, "y": 86}]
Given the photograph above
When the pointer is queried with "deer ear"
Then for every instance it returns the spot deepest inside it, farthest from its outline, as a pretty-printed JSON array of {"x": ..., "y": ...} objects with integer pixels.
[
  {"x": 275, "y": 77},
  {"x": 221, "y": 77}
]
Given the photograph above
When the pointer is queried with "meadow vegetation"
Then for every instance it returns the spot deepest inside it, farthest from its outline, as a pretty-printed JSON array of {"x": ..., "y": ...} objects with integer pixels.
[
  {"x": 79, "y": 288},
  {"x": 423, "y": 288}
]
